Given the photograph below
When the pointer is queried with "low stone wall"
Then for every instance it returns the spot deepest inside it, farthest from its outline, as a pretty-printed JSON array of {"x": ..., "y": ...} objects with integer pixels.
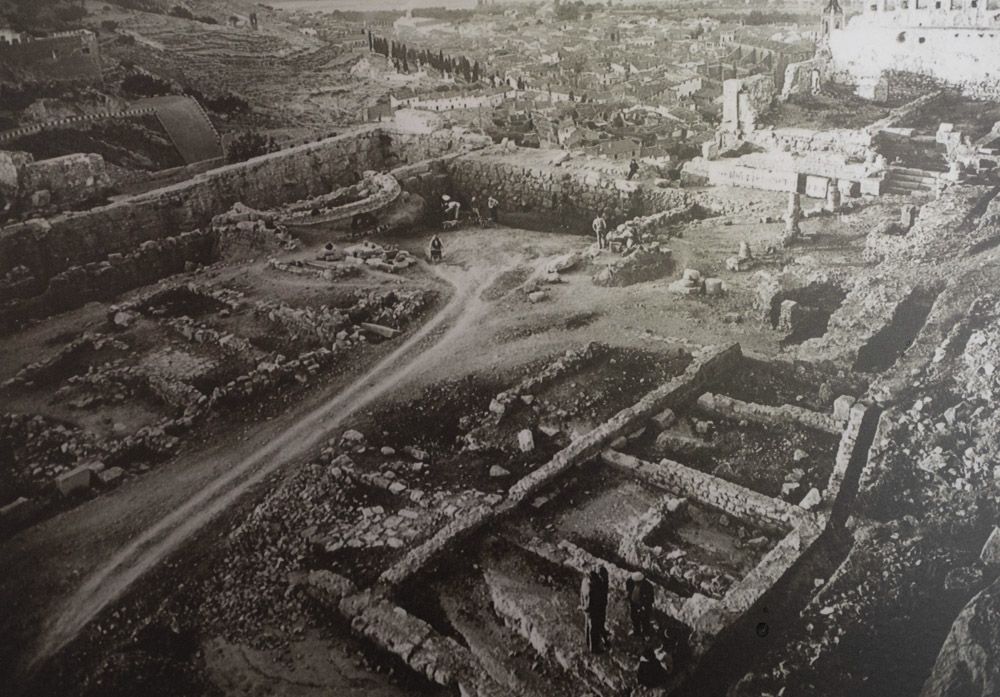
[
  {"x": 772, "y": 567},
  {"x": 730, "y": 498},
  {"x": 845, "y": 453},
  {"x": 103, "y": 280},
  {"x": 729, "y": 173},
  {"x": 712, "y": 364},
  {"x": 773, "y": 416},
  {"x": 439, "y": 658},
  {"x": 854, "y": 144}
]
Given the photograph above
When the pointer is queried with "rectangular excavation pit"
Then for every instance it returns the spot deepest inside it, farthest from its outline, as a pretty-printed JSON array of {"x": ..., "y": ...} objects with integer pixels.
[
  {"x": 757, "y": 456},
  {"x": 776, "y": 383},
  {"x": 518, "y": 613},
  {"x": 637, "y": 526},
  {"x": 708, "y": 537}
]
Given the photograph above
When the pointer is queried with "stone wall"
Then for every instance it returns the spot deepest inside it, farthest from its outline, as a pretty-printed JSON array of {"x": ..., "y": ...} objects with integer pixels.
[
  {"x": 728, "y": 497},
  {"x": 765, "y": 414},
  {"x": 712, "y": 364},
  {"x": 63, "y": 56},
  {"x": 730, "y": 173},
  {"x": 49, "y": 247},
  {"x": 105, "y": 279},
  {"x": 854, "y": 144},
  {"x": 963, "y": 56},
  {"x": 524, "y": 181}
]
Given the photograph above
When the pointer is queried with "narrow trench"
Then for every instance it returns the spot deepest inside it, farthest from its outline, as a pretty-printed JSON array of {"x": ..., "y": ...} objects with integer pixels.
[{"x": 888, "y": 344}]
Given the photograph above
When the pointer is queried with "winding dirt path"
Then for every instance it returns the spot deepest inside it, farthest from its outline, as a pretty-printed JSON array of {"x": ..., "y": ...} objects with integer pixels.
[{"x": 112, "y": 577}]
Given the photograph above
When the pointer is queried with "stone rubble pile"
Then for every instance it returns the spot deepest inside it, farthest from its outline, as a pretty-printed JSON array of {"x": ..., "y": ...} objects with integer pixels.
[
  {"x": 243, "y": 231},
  {"x": 645, "y": 262}
]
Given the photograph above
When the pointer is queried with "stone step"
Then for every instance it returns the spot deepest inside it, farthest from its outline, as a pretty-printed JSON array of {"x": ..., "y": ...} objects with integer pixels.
[
  {"x": 895, "y": 176},
  {"x": 904, "y": 189},
  {"x": 912, "y": 171}
]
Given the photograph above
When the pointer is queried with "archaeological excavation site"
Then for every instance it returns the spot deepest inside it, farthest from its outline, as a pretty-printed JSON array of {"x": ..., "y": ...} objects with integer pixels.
[{"x": 499, "y": 348}]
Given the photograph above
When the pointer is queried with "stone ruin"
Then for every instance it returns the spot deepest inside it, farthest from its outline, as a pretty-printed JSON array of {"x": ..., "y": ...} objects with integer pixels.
[{"x": 531, "y": 547}]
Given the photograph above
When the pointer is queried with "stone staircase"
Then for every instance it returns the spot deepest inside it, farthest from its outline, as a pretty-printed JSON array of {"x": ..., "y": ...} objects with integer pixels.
[{"x": 908, "y": 180}]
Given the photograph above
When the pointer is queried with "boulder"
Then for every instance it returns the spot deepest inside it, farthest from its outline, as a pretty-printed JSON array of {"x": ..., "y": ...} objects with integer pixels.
[
  {"x": 811, "y": 500},
  {"x": 969, "y": 661},
  {"x": 496, "y": 471},
  {"x": 991, "y": 550}
]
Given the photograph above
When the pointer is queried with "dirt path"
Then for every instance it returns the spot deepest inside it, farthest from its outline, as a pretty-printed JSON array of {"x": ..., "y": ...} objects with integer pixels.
[{"x": 111, "y": 578}]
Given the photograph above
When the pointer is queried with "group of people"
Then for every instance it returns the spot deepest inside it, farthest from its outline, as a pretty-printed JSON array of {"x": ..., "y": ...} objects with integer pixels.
[
  {"x": 655, "y": 663},
  {"x": 626, "y": 236},
  {"x": 452, "y": 209}
]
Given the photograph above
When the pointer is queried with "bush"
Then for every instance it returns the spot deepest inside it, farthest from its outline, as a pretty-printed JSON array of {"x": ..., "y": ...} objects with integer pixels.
[
  {"x": 181, "y": 11},
  {"x": 228, "y": 104},
  {"x": 249, "y": 144},
  {"x": 125, "y": 40},
  {"x": 144, "y": 85},
  {"x": 109, "y": 25},
  {"x": 70, "y": 13},
  {"x": 208, "y": 19}
]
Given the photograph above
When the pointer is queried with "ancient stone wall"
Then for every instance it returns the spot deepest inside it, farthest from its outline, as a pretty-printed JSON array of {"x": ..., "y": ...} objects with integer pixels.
[
  {"x": 103, "y": 280},
  {"x": 965, "y": 56},
  {"x": 526, "y": 186},
  {"x": 49, "y": 247},
  {"x": 727, "y": 497}
]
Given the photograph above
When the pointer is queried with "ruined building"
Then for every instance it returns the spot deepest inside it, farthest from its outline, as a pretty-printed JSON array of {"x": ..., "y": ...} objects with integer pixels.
[
  {"x": 63, "y": 56},
  {"x": 956, "y": 42}
]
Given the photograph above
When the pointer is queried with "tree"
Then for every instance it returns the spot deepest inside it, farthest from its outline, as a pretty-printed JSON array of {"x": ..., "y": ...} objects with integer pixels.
[{"x": 249, "y": 144}]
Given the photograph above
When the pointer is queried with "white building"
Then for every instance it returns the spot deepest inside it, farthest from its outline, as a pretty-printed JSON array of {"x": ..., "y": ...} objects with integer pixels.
[{"x": 954, "y": 41}]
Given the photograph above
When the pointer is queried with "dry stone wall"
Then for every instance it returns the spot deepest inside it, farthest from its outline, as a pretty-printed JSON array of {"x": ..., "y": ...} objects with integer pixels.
[
  {"x": 527, "y": 186},
  {"x": 47, "y": 248}
]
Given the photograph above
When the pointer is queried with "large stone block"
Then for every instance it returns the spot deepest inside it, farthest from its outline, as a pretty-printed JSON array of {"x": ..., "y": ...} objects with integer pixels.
[{"x": 75, "y": 481}]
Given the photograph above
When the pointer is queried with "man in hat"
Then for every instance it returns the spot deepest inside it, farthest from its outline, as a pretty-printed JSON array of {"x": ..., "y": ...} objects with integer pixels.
[
  {"x": 436, "y": 249},
  {"x": 640, "y": 603}
]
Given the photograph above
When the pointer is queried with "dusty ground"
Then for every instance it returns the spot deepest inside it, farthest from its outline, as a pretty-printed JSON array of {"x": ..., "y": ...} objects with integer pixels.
[{"x": 481, "y": 332}]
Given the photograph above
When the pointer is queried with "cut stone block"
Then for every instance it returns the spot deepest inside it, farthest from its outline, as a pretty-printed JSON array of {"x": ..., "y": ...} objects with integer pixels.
[
  {"x": 525, "y": 441},
  {"x": 842, "y": 407},
  {"x": 75, "y": 481}
]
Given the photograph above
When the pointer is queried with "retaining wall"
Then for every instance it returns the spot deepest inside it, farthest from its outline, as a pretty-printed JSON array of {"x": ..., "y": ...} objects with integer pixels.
[
  {"x": 523, "y": 184},
  {"x": 48, "y": 247}
]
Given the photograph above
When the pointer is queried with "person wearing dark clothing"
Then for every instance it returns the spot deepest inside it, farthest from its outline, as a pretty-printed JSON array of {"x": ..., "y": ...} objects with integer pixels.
[
  {"x": 600, "y": 587},
  {"x": 633, "y": 168},
  {"x": 591, "y": 603},
  {"x": 654, "y": 669},
  {"x": 640, "y": 603},
  {"x": 494, "y": 207},
  {"x": 436, "y": 248}
]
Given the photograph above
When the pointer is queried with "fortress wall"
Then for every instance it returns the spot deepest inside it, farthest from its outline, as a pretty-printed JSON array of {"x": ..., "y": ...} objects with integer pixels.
[
  {"x": 966, "y": 57},
  {"x": 64, "y": 56}
]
